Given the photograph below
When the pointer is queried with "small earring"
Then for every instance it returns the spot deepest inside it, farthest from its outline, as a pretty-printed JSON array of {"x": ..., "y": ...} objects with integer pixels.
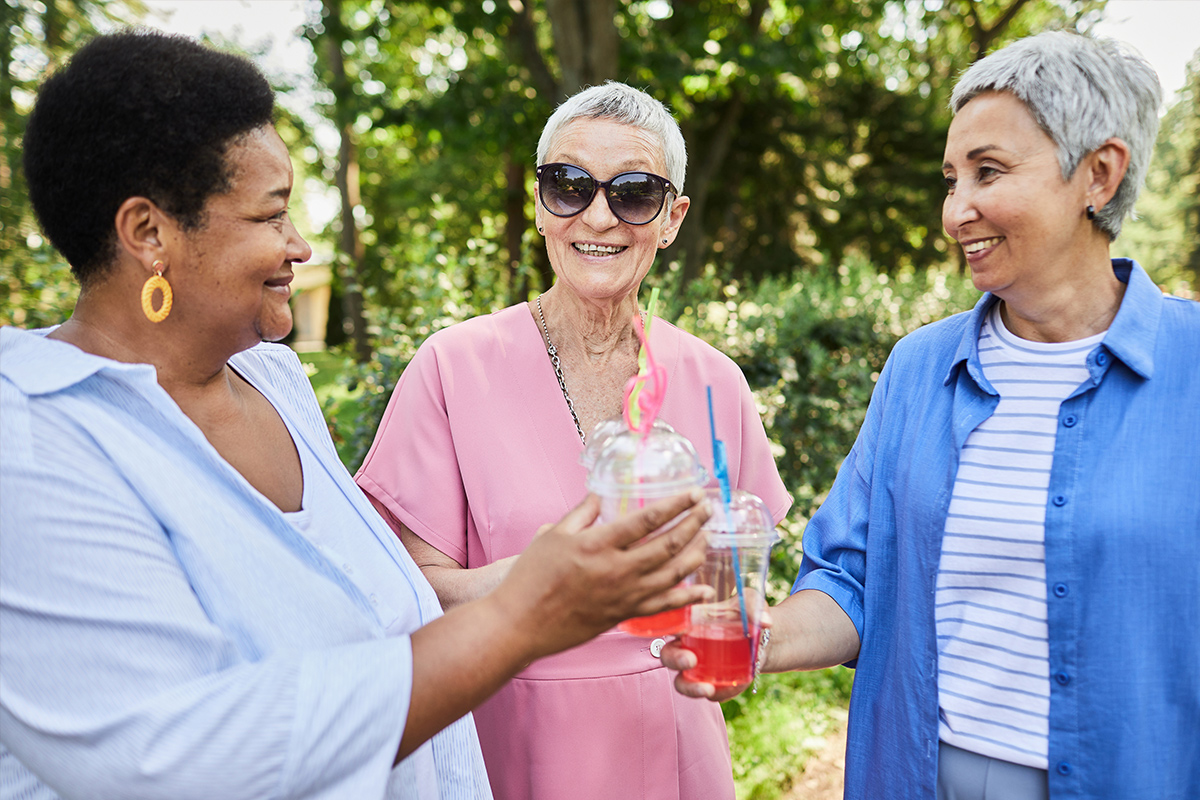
[
  {"x": 156, "y": 281},
  {"x": 664, "y": 241},
  {"x": 540, "y": 230},
  {"x": 1091, "y": 212}
]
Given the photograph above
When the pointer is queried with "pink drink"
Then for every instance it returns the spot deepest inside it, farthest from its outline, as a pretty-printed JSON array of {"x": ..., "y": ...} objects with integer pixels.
[
  {"x": 664, "y": 624},
  {"x": 722, "y": 654}
]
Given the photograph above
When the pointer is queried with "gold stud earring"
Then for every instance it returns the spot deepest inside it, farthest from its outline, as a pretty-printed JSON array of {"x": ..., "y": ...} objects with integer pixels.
[{"x": 156, "y": 281}]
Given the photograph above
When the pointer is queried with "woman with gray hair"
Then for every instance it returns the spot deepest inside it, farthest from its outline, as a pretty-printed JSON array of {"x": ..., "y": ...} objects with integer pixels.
[
  {"x": 1009, "y": 553},
  {"x": 498, "y": 407}
]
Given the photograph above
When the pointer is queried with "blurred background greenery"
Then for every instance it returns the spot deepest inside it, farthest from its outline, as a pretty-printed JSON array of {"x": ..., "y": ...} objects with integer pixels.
[{"x": 815, "y": 131}]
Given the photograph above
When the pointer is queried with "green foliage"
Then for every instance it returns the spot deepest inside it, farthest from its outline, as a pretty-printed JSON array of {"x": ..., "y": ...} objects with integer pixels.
[
  {"x": 774, "y": 731},
  {"x": 1165, "y": 238},
  {"x": 36, "y": 287}
]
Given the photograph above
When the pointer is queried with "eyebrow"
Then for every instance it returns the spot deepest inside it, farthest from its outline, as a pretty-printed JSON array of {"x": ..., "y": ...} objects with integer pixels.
[{"x": 974, "y": 154}]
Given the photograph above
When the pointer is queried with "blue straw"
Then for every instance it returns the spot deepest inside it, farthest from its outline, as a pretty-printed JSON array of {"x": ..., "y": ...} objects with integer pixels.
[{"x": 721, "y": 467}]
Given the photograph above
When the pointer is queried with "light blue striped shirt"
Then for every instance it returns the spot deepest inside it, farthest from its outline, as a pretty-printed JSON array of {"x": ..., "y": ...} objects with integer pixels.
[
  {"x": 167, "y": 632},
  {"x": 990, "y": 604}
]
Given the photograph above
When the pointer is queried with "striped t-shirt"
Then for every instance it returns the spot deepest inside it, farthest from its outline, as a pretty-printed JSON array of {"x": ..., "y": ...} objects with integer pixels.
[{"x": 990, "y": 605}]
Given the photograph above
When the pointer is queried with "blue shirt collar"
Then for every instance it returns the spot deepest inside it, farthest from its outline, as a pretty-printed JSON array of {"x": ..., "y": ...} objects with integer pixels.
[
  {"x": 38, "y": 365},
  {"x": 1130, "y": 337}
]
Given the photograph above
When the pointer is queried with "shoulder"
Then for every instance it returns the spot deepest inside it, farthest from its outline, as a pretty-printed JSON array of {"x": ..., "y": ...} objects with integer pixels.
[
  {"x": 276, "y": 364},
  {"x": 488, "y": 343},
  {"x": 693, "y": 352}
]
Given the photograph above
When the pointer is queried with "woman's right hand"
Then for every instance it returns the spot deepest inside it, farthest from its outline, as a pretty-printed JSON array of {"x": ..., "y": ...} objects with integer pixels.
[{"x": 577, "y": 580}]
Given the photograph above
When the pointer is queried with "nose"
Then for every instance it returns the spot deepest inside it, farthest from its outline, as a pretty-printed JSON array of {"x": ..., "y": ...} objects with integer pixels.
[
  {"x": 298, "y": 250},
  {"x": 958, "y": 209},
  {"x": 598, "y": 215}
]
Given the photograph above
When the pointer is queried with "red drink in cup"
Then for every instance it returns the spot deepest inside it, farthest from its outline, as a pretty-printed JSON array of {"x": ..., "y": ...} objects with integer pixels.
[
  {"x": 724, "y": 633},
  {"x": 632, "y": 470},
  {"x": 723, "y": 653}
]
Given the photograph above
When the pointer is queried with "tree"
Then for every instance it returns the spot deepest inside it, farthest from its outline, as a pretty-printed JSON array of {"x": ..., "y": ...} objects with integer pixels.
[{"x": 36, "y": 288}]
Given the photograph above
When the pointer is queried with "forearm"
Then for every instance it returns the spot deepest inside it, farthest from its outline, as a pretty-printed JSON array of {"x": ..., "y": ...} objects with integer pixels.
[
  {"x": 456, "y": 586},
  {"x": 810, "y": 631},
  {"x": 459, "y": 660}
]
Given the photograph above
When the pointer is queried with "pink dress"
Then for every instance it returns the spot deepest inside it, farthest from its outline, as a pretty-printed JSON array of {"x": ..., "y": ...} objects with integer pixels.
[{"x": 475, "y": 451}]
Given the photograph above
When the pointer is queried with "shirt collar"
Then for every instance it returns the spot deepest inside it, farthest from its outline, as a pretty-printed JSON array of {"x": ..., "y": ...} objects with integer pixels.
[
  {"x": 38, "y": 365},
  {"x": 1130, "y": 337}
]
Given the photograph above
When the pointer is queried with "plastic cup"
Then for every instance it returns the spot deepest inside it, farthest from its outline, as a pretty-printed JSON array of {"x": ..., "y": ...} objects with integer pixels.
[
  {"x": 724, "y": 633},
  {"x": 604, "y": 432},
  {"x": 632, "y": 470}
]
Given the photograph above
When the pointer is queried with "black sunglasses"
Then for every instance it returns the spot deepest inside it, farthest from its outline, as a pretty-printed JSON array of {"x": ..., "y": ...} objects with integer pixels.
[{"x": 634, "y": 197}]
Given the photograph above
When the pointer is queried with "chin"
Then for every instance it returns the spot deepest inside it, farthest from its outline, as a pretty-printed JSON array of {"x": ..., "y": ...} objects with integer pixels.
[{"x": 274, "y": 331}]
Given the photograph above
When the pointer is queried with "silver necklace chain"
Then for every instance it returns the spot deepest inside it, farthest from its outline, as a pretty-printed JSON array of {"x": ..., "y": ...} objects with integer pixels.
[{"x": 552, "y": 351}]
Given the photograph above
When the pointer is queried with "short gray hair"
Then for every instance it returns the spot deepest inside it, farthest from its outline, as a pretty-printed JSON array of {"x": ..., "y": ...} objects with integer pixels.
[
  {"x": 621, "y": 103},
  {"x": 1081, "y": 91}
]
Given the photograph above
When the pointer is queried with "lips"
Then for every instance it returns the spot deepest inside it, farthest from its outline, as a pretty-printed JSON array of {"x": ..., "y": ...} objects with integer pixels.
[
  {"x": 598, "y": 249},
  {"x": 980, "y": 245},
  {"x": 281, "y": 283}
]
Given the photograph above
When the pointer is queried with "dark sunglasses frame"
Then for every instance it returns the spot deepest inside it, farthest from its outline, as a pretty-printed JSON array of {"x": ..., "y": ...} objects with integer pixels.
[{"x": 667, "y": 188}]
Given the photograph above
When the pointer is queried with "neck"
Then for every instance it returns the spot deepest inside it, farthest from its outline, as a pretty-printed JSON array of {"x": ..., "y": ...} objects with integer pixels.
[
  {"x": 1069, "y": 304},
  {"x": 104, "y": 325},
  {"x": 597, "y": 329}
]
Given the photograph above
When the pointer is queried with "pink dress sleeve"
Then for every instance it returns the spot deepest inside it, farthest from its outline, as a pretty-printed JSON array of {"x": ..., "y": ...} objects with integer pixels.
[{"x": 414, "y": 451}]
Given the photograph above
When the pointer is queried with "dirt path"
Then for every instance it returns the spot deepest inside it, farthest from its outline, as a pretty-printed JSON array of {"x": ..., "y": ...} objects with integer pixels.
[{"x": 822, "y": 776}]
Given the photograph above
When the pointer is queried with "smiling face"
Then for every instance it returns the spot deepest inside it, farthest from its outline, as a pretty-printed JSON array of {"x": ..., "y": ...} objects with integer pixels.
[
  {"x": 233, "y": 277},
  {"x": 1022, "y": 227},
  {"x": 596, "y": 255}
]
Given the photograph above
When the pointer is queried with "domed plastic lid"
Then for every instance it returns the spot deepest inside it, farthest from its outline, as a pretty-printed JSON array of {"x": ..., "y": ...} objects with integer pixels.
[
  {"x": 745, "y": 523},
  {"x": 603, "y": 433},
  {"x": 659, "y": 464}
]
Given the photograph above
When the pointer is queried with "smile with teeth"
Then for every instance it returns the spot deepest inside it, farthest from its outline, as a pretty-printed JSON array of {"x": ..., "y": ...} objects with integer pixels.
[
  {"x": 975, "y": 247},
  {"x": 598, "y": 249}
]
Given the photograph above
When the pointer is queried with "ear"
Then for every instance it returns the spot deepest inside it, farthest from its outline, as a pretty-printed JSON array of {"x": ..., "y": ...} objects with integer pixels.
[
  {"x": 1106, "y": 165},
  {"x": 144, "y": 231},
  {"x": 679, "y": 209}
]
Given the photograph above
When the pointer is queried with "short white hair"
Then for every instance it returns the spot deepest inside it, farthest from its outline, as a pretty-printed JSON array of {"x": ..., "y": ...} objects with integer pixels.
[
  {"x": 621, "y": 103},
  {"x": 1081, "y": 91}
]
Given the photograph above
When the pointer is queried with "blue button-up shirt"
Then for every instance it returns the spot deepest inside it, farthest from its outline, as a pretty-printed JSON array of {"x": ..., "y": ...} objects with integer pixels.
[
  {"x": 1122, "y": 554},
  {"x": 165, "y": 631}
]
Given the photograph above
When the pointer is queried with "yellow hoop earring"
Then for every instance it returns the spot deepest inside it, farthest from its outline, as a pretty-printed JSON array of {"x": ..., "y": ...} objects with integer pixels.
[{"x": 156, "y": 281}]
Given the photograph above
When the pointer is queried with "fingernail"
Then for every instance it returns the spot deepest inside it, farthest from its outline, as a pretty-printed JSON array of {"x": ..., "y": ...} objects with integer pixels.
[{"x": 696, "y": 495}]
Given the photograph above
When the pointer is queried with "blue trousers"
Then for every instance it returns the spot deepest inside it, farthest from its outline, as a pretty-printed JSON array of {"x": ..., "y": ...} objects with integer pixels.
[{"x": 963, "y": 775}]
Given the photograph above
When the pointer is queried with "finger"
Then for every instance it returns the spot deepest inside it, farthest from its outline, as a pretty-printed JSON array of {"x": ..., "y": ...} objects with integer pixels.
[
  {"x": 677, "y": 657},
  {"x": 579, "y": 517},
  {"x": 676, "y": 552},
  {"x": 689, "y": 689},
  {"x": 633, "y": 527},
  {"x": 675, "y": 596}
]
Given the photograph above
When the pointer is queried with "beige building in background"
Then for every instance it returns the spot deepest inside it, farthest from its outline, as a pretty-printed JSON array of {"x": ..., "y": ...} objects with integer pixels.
[{"x": 310, "y": 305}]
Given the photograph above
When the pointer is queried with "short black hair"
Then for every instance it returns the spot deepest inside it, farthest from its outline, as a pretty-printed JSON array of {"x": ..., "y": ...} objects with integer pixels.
[{"x": 136, "y": 113}]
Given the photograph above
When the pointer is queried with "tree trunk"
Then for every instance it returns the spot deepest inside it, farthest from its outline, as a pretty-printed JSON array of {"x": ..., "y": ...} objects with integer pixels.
[
  {"x": 585, "y": 40},
  {"x": 350, "y": 247},
  {"x": 514, "y": 226}
]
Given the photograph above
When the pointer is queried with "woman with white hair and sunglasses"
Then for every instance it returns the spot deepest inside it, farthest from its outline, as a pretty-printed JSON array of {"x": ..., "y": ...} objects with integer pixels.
[
  {"x": 500, "y": 406},
  {"x": 1009, "y": 553}
]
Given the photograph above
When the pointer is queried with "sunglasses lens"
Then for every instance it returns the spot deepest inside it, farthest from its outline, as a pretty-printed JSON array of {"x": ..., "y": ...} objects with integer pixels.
[
  {"x": 636, "y": 197},
  {"x": 566, "y": 190}
]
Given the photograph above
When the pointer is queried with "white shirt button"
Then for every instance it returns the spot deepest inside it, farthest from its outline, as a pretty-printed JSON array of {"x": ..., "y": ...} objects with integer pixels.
[
  {"x": 656, "y": 647},
  {"x": 374, "y": 600},
  {"x": 349, "y": 570}
]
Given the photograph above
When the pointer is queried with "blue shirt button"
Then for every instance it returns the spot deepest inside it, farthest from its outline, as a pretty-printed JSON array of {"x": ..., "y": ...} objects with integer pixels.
[
  {"x": 1061, "y": 590},
  {"x": 1060, "y": 500},
  {"x": 1063, "y": 768},
  {"x": 1063, "y": 678},
  {"x": 1069, "y": 420},
  {"x": 1102, "y": 358}
]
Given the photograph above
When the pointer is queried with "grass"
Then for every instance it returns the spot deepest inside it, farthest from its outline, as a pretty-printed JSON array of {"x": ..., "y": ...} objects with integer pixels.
[{"x": 773, "y": 733}]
